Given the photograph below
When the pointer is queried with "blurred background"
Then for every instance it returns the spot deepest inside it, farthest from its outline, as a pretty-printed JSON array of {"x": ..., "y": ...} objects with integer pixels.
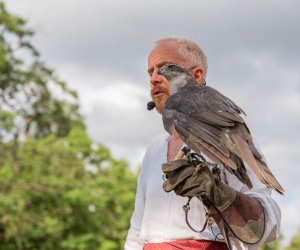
[{"x": 73, "y": 93}]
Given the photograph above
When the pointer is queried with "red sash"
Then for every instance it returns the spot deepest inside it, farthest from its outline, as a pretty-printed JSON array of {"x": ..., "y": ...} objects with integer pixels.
[{"x": 187, "y": 245}]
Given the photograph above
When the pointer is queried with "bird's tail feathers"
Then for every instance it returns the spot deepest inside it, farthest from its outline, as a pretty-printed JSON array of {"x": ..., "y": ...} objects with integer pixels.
[
  {"x": 271, "y": 180},
  {"x": 261, "y": 170}
]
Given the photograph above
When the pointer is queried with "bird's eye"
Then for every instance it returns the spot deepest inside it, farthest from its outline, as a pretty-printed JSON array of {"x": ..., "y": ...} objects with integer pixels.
[{"x": 171, "y": 67}]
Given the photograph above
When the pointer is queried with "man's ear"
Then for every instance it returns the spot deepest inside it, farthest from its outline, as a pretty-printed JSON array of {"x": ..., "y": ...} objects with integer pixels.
[{"x": 198, "y": 74}]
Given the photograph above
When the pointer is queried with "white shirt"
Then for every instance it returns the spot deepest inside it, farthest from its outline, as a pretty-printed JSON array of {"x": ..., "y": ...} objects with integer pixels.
[{"x": 158, "y": 216}]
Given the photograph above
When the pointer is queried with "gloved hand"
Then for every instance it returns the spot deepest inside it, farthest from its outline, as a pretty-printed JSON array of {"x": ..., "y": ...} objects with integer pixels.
[
  {"x": 189, "y": 180},
  {"x": 244, "y": 214}
]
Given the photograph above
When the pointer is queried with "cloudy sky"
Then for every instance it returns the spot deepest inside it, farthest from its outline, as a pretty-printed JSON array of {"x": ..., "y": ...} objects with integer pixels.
[{"x": 100, "y": 48}]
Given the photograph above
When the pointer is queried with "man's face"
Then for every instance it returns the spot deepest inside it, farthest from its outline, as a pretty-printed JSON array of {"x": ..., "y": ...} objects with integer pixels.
[{"x": 164, "y": 52}]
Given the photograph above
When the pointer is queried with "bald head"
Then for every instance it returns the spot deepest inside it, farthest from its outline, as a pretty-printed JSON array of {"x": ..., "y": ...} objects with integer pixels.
[{"x": 192, "y": 54}]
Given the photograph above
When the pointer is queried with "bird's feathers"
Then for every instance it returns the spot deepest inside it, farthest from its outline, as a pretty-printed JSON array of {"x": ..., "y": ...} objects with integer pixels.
[
  {"x": 210, "y": 123},
  {"x": 258, "y": 165}
]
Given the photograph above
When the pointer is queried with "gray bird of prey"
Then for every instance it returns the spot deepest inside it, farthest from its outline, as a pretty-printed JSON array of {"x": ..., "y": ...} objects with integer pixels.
[{"x": 208, "y": 122}]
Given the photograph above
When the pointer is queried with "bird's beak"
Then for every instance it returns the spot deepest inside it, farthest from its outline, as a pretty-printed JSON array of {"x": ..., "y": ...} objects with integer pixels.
[{"x": 160, "y": 71}]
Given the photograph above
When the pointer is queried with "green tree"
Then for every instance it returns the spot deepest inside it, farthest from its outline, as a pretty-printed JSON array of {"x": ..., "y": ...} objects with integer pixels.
[
  {"x": 26, "y": 84},
  {"x": 275, "y": 245},
  {"x": 58, "y": 189},
  {"x": 63, "y": 193},
  {"x": 295, "y": 243}
]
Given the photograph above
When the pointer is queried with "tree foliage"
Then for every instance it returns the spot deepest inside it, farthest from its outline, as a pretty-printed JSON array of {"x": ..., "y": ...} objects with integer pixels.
[
  {"x": 295, "y": 242},
  {"x": 275, "y": 245},
  {"x": 63, "y": 193},
  {"x": 59, "y": 190},
  {"x": 26, "y": 84}
]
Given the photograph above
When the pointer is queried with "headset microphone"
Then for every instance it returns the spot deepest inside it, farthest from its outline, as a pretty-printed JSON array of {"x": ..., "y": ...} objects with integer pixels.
[{"x": 150, "y": 105}]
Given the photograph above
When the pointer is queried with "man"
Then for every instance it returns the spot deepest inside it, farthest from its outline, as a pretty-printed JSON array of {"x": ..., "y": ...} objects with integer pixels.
[{"x": 158, "y": 221}]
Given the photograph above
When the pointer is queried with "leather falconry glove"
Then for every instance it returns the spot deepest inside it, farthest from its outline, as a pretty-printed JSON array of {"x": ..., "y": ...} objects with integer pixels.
[{"x": 243, "y": 215}]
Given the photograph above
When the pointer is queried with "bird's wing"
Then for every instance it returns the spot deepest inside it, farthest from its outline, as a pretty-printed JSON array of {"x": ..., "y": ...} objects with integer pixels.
[
  {"x": 201, "y": 121},
  {"x": 203, "y": 137},
  {"x": 209, "y": 122}
]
